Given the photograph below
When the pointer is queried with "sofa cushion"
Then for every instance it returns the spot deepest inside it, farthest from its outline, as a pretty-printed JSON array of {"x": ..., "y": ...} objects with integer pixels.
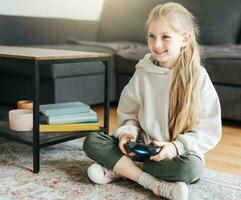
[
  {"x": 18, "y": 30},
  {"x": 223, "y": 63},
  {"x": 219, "y": 61},
  {"x": 124, "y": 51},
  {"x": 124, "y": 20},
  {"x": 219, "y": 21},
  {"x": 230, "y": 101},
  {"x": 125, "y": 66},
  {"x": 133, "y": 51},
  {"x": 110, "y": 47},
  {"x": 128, "y": 56}
]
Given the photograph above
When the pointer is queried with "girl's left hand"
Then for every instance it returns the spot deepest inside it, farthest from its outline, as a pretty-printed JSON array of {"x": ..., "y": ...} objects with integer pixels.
[{"x": 168, "y": 151}]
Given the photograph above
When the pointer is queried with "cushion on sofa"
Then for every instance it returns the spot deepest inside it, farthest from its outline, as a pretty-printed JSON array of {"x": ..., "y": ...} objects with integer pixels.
[
  {"x": 125, "y": 66},
  {"x": 223, "y": 63},
  {"x": 126, "y": 58},
  {"x": 230, "y": 101},
  {"x": 18, "y": 30},
  {"x": 103, "y": 45},
  {"x": 219, "y": 21},
  {"x": 124, "y": 20},
  {"x": 132, "y": 51}
]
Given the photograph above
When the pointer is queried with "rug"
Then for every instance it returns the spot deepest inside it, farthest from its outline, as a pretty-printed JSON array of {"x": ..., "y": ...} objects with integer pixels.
[{"x": 63, "y": 177}]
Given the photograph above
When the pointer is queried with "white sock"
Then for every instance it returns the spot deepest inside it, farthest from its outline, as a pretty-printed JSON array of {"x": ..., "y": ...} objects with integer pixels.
[
  {"x": 159, "y": 188},
  {"x": 147, "y": 181}
]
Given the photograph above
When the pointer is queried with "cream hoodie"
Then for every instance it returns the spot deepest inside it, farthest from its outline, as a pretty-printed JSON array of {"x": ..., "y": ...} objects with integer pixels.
[{"x": 143, "y": 110}]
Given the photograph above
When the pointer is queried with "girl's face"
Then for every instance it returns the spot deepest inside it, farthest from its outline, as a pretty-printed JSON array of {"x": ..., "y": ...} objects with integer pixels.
[{"x": 164, "y": 42}]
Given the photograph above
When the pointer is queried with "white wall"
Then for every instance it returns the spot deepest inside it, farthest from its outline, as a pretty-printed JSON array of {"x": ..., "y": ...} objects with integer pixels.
[{"x": 72, "y": 9}]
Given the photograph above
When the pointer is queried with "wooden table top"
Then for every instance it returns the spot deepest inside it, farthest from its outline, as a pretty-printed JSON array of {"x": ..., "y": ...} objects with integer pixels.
[{"x": 29, "y": 53}]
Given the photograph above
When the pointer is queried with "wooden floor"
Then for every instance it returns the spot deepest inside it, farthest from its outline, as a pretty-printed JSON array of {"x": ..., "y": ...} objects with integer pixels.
[{"x": 226, "y": 156}]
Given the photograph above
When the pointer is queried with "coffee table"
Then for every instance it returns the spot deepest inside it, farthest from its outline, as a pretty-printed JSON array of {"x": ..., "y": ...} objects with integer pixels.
[{"x": 35, "y": 58}]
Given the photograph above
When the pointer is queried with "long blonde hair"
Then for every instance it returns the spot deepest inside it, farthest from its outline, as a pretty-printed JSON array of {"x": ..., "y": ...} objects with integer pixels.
[{"x": 183, "y": 93}]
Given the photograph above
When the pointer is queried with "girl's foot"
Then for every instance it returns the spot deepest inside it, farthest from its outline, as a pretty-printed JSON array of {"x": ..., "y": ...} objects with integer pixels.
[
  {"x": 100, "y": 175},
  {"x": 172, "y": 190},
  {"x": 169, "y": 190}
]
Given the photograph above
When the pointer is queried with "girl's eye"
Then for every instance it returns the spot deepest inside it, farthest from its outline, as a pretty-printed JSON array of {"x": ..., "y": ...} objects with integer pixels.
[
  {"x": 151, "y": 36},
  {"x": 166, "y": 37}
]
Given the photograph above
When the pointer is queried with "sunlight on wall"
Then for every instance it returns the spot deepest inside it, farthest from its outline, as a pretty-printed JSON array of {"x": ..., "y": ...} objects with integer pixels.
[{"x": 72, "y": 9}]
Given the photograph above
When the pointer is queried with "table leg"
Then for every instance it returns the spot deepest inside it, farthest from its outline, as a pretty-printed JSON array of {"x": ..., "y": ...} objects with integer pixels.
[
  {"x": 107, "y": 99},
  {"x": 36, "y": 146}
]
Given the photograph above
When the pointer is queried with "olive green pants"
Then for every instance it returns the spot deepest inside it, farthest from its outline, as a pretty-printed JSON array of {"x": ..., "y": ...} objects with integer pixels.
[{"x": 104, "y": 150}]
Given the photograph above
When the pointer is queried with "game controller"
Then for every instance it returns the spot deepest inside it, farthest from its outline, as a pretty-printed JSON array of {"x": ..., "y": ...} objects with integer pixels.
[{"x": 141, "y": 149}]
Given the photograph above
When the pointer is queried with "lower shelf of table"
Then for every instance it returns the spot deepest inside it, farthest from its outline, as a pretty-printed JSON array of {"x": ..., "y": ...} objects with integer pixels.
[{"x": 45, "y": 139}]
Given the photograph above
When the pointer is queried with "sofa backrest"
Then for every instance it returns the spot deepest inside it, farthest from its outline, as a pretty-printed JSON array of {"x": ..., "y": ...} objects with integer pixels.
[
  {"x": 18, "y": 30},
  {"x": 219, "y": 21},
  {"x": 124, "y": 20}
]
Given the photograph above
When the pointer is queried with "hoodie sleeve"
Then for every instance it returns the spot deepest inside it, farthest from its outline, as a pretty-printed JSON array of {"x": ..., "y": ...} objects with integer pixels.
[
  {"x": 207, "y": 132},
  {"x": 127, "y": 110}
]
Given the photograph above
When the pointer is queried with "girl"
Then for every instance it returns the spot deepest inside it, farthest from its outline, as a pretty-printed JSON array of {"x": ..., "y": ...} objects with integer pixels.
[{"x": 171, "y": 102}]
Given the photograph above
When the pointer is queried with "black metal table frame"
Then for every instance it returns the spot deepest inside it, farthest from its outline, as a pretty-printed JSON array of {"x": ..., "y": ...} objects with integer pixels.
[{"x": 35, "y": 143}]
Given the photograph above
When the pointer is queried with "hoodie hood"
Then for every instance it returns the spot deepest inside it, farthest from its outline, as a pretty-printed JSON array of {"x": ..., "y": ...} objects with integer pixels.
[{"x": 146, "y": 64}]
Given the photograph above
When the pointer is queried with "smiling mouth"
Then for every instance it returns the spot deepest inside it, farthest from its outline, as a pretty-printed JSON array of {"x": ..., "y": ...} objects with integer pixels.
[{"x": 160, "y": 52}]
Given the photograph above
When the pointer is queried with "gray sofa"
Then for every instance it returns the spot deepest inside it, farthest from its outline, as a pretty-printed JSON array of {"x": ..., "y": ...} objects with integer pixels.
[{"x": 120, "y": 32}]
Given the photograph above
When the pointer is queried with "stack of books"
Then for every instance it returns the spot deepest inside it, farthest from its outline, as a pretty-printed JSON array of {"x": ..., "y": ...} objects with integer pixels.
[{"x": 68, "y": 117}]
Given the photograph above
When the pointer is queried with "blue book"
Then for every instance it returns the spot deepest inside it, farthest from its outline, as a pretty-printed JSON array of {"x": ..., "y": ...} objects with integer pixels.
[
  {"x": 85, "y": 117},
  {"x": 64, "y": 108}
]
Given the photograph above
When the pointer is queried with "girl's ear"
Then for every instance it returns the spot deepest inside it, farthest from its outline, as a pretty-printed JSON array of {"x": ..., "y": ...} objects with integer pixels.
[{"x": 186, "y": 39}]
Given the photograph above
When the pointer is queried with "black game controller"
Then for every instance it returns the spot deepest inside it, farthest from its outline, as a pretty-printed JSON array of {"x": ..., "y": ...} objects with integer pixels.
[{"x": 141, "y": 149}]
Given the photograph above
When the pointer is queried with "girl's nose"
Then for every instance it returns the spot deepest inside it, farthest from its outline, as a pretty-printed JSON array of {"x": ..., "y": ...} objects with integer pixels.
[{"x": 158, "y": 44}]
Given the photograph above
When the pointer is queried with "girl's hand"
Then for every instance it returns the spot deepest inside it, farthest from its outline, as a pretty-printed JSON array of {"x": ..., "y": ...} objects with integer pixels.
[
  {"x": 168, "y": 151},
  {"x": 124, "y": 139}
]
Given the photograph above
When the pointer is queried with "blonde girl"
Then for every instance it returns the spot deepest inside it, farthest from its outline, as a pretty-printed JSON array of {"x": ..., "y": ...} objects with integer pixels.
[{"x": 171, "y": 102}]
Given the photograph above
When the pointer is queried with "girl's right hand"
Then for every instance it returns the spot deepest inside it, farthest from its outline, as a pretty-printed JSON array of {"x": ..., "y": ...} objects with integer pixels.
[{"x": 124, "y": 139}]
